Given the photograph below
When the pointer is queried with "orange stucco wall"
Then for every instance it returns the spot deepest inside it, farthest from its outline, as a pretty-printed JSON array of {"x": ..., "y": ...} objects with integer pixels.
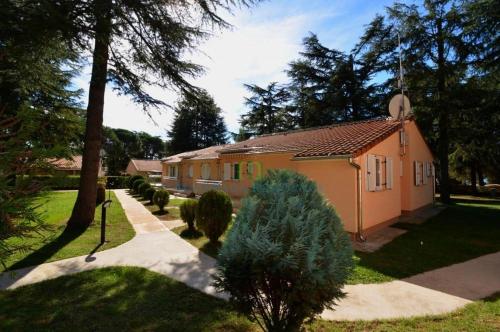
[
  {"x": 415, "y": 197},
  {"x": 383, "y": 205},
  {"x": 336, "y": 180}
]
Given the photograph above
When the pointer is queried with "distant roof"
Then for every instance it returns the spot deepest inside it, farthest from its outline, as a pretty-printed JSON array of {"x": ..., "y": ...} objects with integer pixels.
[
  {"x": 349, "y": 138},
  {"x": 202, "y": 154},
  {"x": 146, "y": 165},
  {"x": 73, "y": 164}
]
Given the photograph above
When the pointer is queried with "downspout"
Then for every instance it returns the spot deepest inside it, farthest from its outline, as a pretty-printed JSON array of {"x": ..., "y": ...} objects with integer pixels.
[{"x": 359, "y": 235}]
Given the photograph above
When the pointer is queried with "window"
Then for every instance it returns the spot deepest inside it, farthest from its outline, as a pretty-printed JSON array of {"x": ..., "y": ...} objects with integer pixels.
[
  {"x": 417, "y": 171},
  {"x": 236, "y": 171},
  {"x": 172, "y": 171},
  {"x": 190, "y": 171},
  {"x": 227, "y": 171},
  {"x": 205, "y": 171},
  {"x": 378, "y": 174}
]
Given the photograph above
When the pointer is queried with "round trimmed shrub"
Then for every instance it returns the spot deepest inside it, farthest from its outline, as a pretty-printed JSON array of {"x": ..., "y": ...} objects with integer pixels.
[
  {"x": 287, "y": 252},
  {"x": 188, "y": 212},
  {"x": 132, "y": 179},
  {"x": 101, "y": 193},
  {"x": 161, "y": 198},
  {"x": 148, "y": 194},
  {"x": 137, "y": 183},
  {"x": 213, "y": 214},
  {"x": 142, "y": 189}
]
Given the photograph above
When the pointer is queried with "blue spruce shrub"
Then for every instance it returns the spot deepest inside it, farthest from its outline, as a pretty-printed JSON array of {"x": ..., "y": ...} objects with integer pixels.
[{"x": 287, "y": 252}]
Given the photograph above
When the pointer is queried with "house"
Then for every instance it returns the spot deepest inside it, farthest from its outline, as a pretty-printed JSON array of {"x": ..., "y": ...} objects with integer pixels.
[
  {"x": 371, "y": 171},
  {"x": 71, "y": 166},
  {"x": 195, "y": 171},
  {"x": 145, "y": 167}
]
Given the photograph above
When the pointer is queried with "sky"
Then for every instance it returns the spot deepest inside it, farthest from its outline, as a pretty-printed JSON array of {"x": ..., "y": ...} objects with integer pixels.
[{"x": 257, "y": 50}]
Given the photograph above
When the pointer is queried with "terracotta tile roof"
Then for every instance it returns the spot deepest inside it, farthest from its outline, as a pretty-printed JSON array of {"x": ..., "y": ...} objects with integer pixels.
[
  {"x": 341, "y": 139},
  {"x": 202, "y": 154},
  {"x": 146, "y": 165},
  {"x": 73, "y": 164}
]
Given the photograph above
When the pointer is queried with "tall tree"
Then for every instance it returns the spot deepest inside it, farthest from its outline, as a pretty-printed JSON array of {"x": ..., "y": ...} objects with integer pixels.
[
  {"x": 270, "y": 109},
  {"x": 198, "y": 124},
  {"x": 331, "y": 86},
  {"x": 132, "y": 44},
  {"x": 39, "y": 119},
  {"x": 436, "y": 54}
]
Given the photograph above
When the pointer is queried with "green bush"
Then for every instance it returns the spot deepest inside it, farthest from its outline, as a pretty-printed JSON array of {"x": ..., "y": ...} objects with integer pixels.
[
  {"x": 142, "y": 189},
  {"x": 101, "y": 193},
  {"x": 132, "y": 179},
  {"x": 149, "y": 193},
  {"x": 117, "y": 182},
  {"x": 188, "y": 212},
  {"x": 287, "y": 252},
  {"x": 56, "y": 182},
  {"x": 137, "y": 183},
  {"x": 161, "y": 198},
  {"x": 214, "y": 214}
]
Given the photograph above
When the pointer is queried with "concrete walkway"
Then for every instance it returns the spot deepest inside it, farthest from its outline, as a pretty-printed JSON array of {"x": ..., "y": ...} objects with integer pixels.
[{"x": 158, "y": 249}]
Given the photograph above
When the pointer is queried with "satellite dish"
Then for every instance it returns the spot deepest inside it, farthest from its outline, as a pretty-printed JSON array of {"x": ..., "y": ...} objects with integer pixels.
[{"x": 396, "y": 104}]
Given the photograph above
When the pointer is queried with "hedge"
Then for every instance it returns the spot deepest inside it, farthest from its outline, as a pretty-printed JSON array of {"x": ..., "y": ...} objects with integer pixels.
[
  {"x": 117, "y": 182},
  {"x": 65, "y": 182}
]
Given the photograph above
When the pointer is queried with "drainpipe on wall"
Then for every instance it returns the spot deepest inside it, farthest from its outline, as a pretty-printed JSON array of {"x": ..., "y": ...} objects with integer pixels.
[{"x": 359, "y": 235}]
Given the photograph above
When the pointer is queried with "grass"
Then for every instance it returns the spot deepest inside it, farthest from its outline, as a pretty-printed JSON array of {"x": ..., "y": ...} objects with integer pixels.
[
  {"x": 171, "y": 212},
  {"x": 466, "y": 230},
  {"x": 135, "y": 299},
  {"x": 55, "y": 243}
]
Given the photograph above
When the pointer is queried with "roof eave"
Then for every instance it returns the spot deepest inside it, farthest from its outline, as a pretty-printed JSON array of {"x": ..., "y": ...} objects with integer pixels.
[{"x": 324, "y": 157}]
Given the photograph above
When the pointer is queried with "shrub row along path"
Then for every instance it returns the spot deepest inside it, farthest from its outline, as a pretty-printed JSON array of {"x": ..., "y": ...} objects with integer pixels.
[{"x": 156, "y": 248}]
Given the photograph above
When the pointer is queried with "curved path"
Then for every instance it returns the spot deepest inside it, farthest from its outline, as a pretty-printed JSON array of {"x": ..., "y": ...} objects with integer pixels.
[{"x": 158, "y": 249}]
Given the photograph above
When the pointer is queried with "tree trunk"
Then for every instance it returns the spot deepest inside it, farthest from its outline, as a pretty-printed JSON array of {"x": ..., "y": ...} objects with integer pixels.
[
  {"x": 473, "y": 177},
  {"x": 480, "y": 175},
  {"x": 444, "y": 180},
  {"x": 84, "y": 209}
]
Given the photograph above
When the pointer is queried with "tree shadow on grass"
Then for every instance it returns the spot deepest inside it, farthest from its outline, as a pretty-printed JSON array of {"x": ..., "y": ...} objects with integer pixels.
[
  {"x": 191, "y": 234},
  {"x": 211, "y": 248},
  {"x": 135, "y": 298},
  {"x": 44, "y": 253}
]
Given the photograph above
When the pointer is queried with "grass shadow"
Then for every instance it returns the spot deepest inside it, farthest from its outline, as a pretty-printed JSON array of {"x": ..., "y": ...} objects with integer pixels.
[
  {"x": 211, "y": 248},
  {"x": 44, "y": 253},
  {"x": 191, "y": 234},
  {"x": 160, "y": 213},
  {"x": 458, "y": 234}
]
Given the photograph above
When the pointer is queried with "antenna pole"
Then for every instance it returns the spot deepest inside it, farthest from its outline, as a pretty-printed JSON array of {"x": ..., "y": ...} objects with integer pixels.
[{"x": 402, "y": 106}]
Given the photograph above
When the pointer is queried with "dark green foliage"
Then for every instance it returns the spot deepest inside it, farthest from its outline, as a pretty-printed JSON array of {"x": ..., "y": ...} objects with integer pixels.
[
  {"x": 287, "y": 252},
  {"x": 101, "y": 193},
  {"x": 188, "y": 212},
  {"x": 142, "y": 189},
  {"x": 270, "y": 110},
  {"x": 117, "y": 182},
  {"x": 149, "y": 193},
  {"x": 161, "y": 198},
  {"x": 121, "y": 145},
  {"x": 136, "y": 184},
  {"x": 132, "y": 179},
  {"x": 214, "y": 214},
  {"x": 198, "y": 124}
]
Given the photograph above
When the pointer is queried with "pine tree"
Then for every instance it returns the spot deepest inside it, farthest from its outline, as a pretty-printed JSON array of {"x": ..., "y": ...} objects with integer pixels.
[
  {"x": 132, "y": 44},
  {"x": 270, "y": 111},
  {"x": 198, "y": 124}
]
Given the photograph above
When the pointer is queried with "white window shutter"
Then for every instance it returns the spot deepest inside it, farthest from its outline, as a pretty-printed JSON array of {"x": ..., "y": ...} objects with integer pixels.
[
  {"x": 388, "y": 172},
  {"x": 418, "y": 172},
  {"x": 370, "y": 173},
  {"x": 190, "y": 171},
  {"x": 227, "y": 171}
]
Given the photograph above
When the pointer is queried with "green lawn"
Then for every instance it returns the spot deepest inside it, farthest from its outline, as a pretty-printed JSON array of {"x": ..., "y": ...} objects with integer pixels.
[
  {"x": 56, "y": 243},
  {"x": 134, "y": 299},
  {"x": 467, "y": 229}
]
